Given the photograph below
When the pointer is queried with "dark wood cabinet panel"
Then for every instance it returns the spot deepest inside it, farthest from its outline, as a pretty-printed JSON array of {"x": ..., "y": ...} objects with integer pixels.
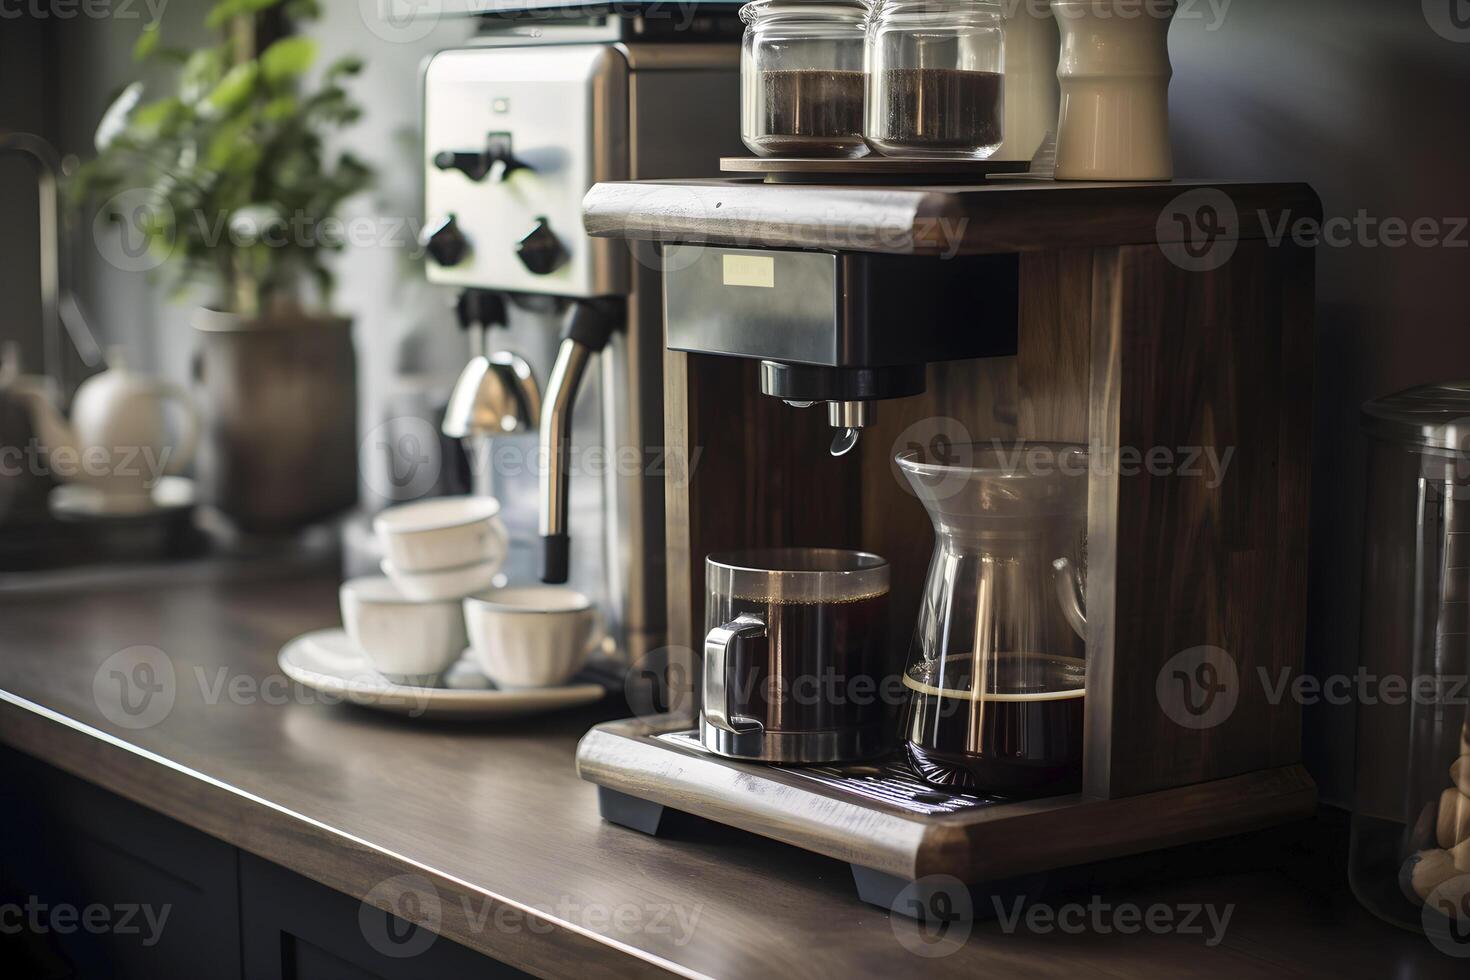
[
  {"x": 295, "y": 929},
  {"x": 107, "y": 888},
  {"x": 104, "y": 889}
]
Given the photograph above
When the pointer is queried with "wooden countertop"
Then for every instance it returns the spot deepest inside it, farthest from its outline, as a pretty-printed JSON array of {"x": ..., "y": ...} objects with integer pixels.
[{"x": 496, "y": 817}]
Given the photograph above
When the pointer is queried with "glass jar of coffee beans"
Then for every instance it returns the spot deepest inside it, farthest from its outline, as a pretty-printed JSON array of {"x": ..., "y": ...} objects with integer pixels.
[
  {"x": 801, "y": 77},
  {"x": 936, "y": 82}
]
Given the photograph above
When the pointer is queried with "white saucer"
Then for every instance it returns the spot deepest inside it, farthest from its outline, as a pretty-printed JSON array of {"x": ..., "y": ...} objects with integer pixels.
[
  {"x": 328, "y": 661},
  {"x": 79, "y": 502}
]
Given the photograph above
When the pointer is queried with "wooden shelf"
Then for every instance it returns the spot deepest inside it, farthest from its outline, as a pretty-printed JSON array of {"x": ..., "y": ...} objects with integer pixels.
[{"x": 1001, "y": 216}]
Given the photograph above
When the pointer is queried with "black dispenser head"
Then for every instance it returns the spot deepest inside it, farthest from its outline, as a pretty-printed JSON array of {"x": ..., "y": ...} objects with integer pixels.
[{"x": 843, "y": 328}]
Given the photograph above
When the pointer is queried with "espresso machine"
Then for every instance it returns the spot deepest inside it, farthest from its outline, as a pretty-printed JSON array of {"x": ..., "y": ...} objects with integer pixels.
[
  {"x": 1000, "y": 311},
  {"x": 562, "y": 403}
]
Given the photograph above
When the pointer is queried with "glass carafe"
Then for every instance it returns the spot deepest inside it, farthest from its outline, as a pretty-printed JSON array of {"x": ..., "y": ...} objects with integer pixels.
[{"x": 996, "y": 672}]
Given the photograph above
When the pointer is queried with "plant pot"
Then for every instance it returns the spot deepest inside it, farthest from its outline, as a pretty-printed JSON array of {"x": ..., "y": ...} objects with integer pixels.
[{"x": 279, "y": 398}]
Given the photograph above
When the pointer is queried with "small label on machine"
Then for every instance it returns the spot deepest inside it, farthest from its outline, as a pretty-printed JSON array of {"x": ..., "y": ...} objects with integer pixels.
[{"x": 750, "y": 270}]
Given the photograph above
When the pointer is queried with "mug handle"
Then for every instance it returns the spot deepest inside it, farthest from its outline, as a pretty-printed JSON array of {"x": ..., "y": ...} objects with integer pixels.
[
  {"x": 598, "y": 633},
  {"x": 718, "y": 663},
  {"x": 188, "y": 440}
]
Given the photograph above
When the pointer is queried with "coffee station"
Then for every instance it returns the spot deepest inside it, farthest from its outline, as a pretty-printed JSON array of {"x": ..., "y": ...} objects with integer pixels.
[{"x": 875, "y": 508}]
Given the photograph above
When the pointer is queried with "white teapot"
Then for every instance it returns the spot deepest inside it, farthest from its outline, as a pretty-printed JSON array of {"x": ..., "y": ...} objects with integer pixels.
[{"x": 116, "y": 441}]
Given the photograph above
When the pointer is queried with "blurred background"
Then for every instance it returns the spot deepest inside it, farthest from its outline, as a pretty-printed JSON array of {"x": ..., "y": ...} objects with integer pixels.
[{"x": 1363, "y": 99}]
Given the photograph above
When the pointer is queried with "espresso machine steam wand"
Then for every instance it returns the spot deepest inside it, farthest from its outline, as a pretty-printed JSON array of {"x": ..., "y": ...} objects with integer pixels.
[{"x": 588, "y": 330}]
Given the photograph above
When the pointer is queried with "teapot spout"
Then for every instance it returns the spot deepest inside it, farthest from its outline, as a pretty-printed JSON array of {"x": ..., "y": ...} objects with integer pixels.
[
  {"x": 1069, "y": 594},
  {"x": 52, "y": 429}
]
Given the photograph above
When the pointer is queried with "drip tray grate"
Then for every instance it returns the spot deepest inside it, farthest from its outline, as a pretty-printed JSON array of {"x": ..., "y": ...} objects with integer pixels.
[{"x": 886, "y": 781}]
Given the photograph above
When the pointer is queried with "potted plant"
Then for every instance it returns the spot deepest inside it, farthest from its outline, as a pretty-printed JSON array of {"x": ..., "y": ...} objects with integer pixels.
[{"x": 227, "y": 180}]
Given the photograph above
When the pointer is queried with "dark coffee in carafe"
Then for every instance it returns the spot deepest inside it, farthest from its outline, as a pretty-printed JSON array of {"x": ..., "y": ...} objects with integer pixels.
[{"x": 1020, "y": 740}]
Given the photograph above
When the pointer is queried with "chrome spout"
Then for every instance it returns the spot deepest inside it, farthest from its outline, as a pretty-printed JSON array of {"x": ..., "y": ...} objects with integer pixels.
[{"x": 588, "y": 331}]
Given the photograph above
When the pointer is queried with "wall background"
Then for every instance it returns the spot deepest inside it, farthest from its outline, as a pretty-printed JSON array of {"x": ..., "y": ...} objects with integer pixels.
[{"x": 1363, "y": 99}]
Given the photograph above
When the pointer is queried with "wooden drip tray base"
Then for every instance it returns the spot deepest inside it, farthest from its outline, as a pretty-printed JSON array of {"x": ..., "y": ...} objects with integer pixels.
[{"x": 894, "y": 830}]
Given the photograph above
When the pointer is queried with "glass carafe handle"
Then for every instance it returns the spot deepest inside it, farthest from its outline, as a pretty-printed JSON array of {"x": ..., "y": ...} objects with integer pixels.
[
  {"x": 719, "y": 646},
  {"x": 1069, "y": 594}
]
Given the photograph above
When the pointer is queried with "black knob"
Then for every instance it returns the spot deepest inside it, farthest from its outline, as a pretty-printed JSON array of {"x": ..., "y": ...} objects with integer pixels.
[
  {"x": 475, "y": 164},
  {"x": 540, "y": 249},
  {"x": 445, "y": 243}
]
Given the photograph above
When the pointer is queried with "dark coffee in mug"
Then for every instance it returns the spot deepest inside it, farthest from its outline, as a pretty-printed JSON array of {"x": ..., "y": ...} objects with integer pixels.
[
  {"x": 817, "y": 667},
  {"x": 1018, "y": 741},
  {"x": 795, "y": 651}
]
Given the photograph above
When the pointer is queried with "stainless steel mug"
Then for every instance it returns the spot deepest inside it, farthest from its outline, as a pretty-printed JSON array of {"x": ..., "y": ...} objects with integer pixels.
[{"x": 794, "y": 654}]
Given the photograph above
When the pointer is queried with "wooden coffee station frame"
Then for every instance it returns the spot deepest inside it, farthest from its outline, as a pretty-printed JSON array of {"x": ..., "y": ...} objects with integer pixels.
[{"x": 1123, "y": 338}]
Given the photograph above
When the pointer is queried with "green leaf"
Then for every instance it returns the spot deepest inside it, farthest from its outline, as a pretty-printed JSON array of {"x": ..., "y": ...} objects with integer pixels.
[
  {"x": 147, "y": 42},
  {"x": 200, "y": 74},
  {"x": 234, "y": 89},
  {"x": 342, "y": 67},
  {"x": 115, "y": 119},
  {"x": 279, "y": 109},
  {"x": 155, "y": 118},
  {"x": 287, "y": 59}
]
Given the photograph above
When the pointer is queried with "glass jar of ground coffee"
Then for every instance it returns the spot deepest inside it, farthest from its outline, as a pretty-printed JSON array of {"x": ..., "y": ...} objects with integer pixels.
[
  {"x": 936, "y": 83},
  {"x": 801, "y": 77}
]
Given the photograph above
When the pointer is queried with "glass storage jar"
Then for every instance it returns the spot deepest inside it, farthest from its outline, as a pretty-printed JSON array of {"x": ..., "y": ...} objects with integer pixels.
[
  {"x": 1410, "y": 854},
  {"x": 801, "y": 77},
  {"x": 936, "y": 78}
]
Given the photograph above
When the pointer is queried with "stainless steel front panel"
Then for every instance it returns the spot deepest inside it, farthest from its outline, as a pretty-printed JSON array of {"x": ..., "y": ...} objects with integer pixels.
[
  {"x": 565, "y": 108},
  {"x": 749, "y": 303}
]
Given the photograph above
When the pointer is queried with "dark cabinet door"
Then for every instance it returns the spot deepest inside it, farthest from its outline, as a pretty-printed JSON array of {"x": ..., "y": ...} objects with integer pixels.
[
  {"x": 295, "y": 929},
  {"x": 92, "y": 885}
]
